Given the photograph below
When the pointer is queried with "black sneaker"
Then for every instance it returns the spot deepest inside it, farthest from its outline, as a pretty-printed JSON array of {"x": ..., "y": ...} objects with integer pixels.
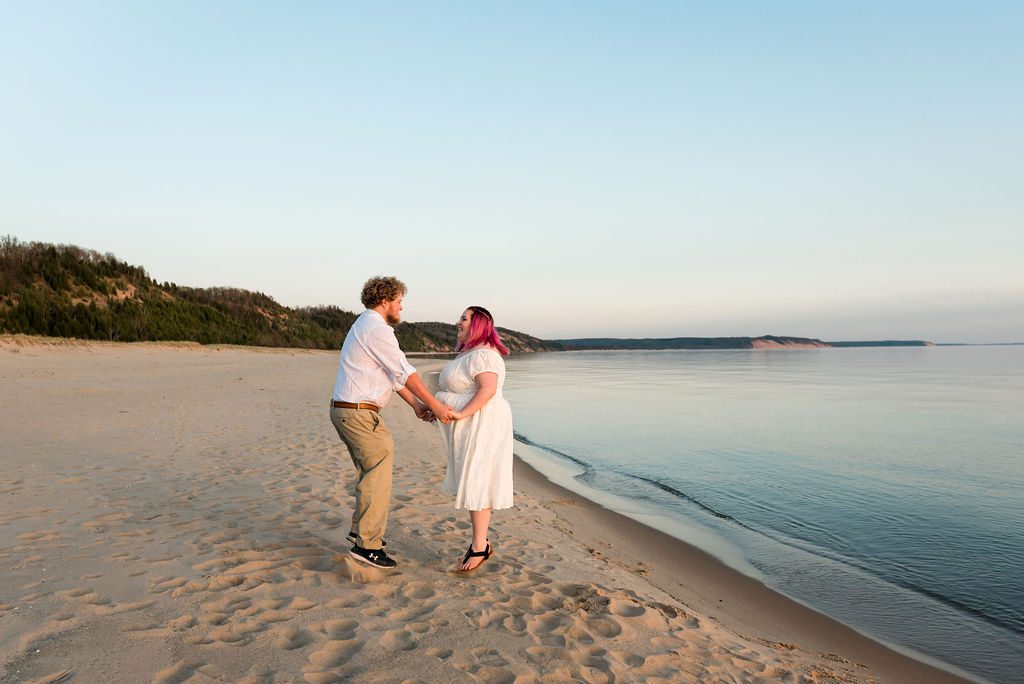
[
  {"x": 374, "y": 557},
  {"x": 355, "y": 539}
]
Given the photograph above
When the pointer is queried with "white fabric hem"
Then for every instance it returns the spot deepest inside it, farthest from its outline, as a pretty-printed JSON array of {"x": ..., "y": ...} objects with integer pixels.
[{"x": 482, "y": 507}]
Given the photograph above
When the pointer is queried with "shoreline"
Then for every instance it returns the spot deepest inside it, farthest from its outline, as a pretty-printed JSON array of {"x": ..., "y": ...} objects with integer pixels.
[
  {"x": 732, "y": 598},
  {"x": 188, "y": 519}
]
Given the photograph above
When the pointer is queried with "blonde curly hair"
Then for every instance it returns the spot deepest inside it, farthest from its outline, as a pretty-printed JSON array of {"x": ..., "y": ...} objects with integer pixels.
[{"x": 382, "y": 289}]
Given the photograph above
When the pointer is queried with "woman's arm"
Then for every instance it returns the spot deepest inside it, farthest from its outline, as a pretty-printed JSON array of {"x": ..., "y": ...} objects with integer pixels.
[{"x": 486, "y": 388}]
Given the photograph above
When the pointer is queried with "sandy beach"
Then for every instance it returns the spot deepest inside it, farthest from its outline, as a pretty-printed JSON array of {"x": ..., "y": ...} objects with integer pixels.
[{"x": 173, "y": 513}]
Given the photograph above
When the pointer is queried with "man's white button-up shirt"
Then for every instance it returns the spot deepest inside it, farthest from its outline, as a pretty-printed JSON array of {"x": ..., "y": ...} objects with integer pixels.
[{"x": 372, "y": 365}]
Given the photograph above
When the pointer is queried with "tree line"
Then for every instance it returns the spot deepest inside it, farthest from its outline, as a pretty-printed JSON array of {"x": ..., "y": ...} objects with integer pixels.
[{"x": 68, "y": 291}]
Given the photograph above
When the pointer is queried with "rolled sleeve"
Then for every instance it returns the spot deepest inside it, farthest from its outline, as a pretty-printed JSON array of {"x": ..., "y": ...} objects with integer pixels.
[
  {"x": 407, "y": 370},
  {"x": 390, "y": 357}
]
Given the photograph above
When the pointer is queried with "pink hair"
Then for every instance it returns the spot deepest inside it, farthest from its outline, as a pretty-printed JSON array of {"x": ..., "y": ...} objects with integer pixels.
[{"x": 482, "y": 332}]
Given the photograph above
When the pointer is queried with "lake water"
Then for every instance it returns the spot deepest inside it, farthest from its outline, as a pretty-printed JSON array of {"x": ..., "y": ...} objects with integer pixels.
[{"x": 882, "y": 486}]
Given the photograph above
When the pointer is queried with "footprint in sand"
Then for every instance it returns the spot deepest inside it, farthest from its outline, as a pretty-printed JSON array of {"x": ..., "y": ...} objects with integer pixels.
[
  {"x": 263, "y": 606},
  {"x": 272, "y": 616},
  {"x": 236, "y": 634},
  {"x": 419, "y": 627},
  {"x": 291, "y": 638},
  {"x": 578, "y": 635},
  {"x": 514, "y": 624},
  {"x": 542, "y": 625},
  {"x": 333, "y": 654},
  {"x": 488, "y": 656},
  {"x": 300, "y": 603},
  {"x": 608, "y": 628},
  {"x": 340, "y": 630},
  {"x": 594, "y": 658},
  {"x": 396, "y": 640},
  {"x": 214, "y": 619},
  {"x": 494, "y": 675},
  {"x": 628, "y": 658},
  {"x": 350, "y": 601},
  {"x": 625, "y": 608},
  {"x": 413, "y": 612},
  {"x": 331, "y": 521},
  {"x": 219, "y": 612},
  {"x": 541, "y": 602},
  {"x": 547, "y": 656}
]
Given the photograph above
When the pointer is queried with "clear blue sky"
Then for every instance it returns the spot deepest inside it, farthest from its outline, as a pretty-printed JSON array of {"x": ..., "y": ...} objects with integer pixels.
[{"x": 842, "y": 170}]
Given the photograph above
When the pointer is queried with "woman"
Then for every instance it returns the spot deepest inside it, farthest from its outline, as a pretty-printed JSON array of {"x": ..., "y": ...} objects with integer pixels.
[{"x": 479, "y": 438}]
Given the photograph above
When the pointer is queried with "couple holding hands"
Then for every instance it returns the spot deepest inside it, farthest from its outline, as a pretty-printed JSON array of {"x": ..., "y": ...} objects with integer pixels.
[{"x": 474, "y": 419}]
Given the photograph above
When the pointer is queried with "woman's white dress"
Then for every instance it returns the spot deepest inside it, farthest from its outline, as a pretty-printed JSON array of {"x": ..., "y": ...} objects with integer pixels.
[{"x": 479, "y": 447}]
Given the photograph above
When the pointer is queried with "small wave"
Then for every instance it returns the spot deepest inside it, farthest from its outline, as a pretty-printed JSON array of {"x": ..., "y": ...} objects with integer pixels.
[
  {"x": 686, "y": 497},
  {"x": 833, "y": 555},
  {"x": 529, "y": 442},
  {"x": 807, "y": 547},
  {"x": 589, "y": 470}
]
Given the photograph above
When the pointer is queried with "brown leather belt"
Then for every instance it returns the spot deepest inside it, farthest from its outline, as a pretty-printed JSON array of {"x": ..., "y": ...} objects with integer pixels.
[{"x": 360, "y": 405}]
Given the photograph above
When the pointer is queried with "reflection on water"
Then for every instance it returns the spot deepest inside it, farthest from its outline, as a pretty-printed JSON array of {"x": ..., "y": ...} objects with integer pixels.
[{"x": 872, "y": 484}]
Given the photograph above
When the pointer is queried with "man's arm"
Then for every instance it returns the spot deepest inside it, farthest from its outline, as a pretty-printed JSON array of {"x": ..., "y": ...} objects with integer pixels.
[
  {"x": 385, "y": 350},
  {"x": 422, "y": 412}
]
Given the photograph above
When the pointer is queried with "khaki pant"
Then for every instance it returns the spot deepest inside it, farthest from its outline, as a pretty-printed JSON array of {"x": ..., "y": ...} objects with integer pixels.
[{"x": 372, "y": 450}]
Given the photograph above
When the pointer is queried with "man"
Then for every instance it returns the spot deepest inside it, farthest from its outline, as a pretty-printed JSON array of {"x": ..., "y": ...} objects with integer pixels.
[{"x": 372, "y": 366}]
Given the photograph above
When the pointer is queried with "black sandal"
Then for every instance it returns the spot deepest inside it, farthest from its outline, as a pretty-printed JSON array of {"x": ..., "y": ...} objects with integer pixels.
[{"x": 485, "y": 554}]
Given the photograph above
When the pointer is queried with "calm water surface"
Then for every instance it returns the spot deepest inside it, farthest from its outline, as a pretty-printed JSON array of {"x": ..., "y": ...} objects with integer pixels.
[{"x": 882, "y": 486}]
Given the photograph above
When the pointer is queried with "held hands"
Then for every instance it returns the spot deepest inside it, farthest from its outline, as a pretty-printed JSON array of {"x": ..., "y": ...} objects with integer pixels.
[
  {"x": 446, "y": 414},
  {"x": 423, "y": 413}
]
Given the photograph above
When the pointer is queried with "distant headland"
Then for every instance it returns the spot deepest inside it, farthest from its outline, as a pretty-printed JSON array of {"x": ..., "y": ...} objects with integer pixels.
[{"x": 762, "y": 342}]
